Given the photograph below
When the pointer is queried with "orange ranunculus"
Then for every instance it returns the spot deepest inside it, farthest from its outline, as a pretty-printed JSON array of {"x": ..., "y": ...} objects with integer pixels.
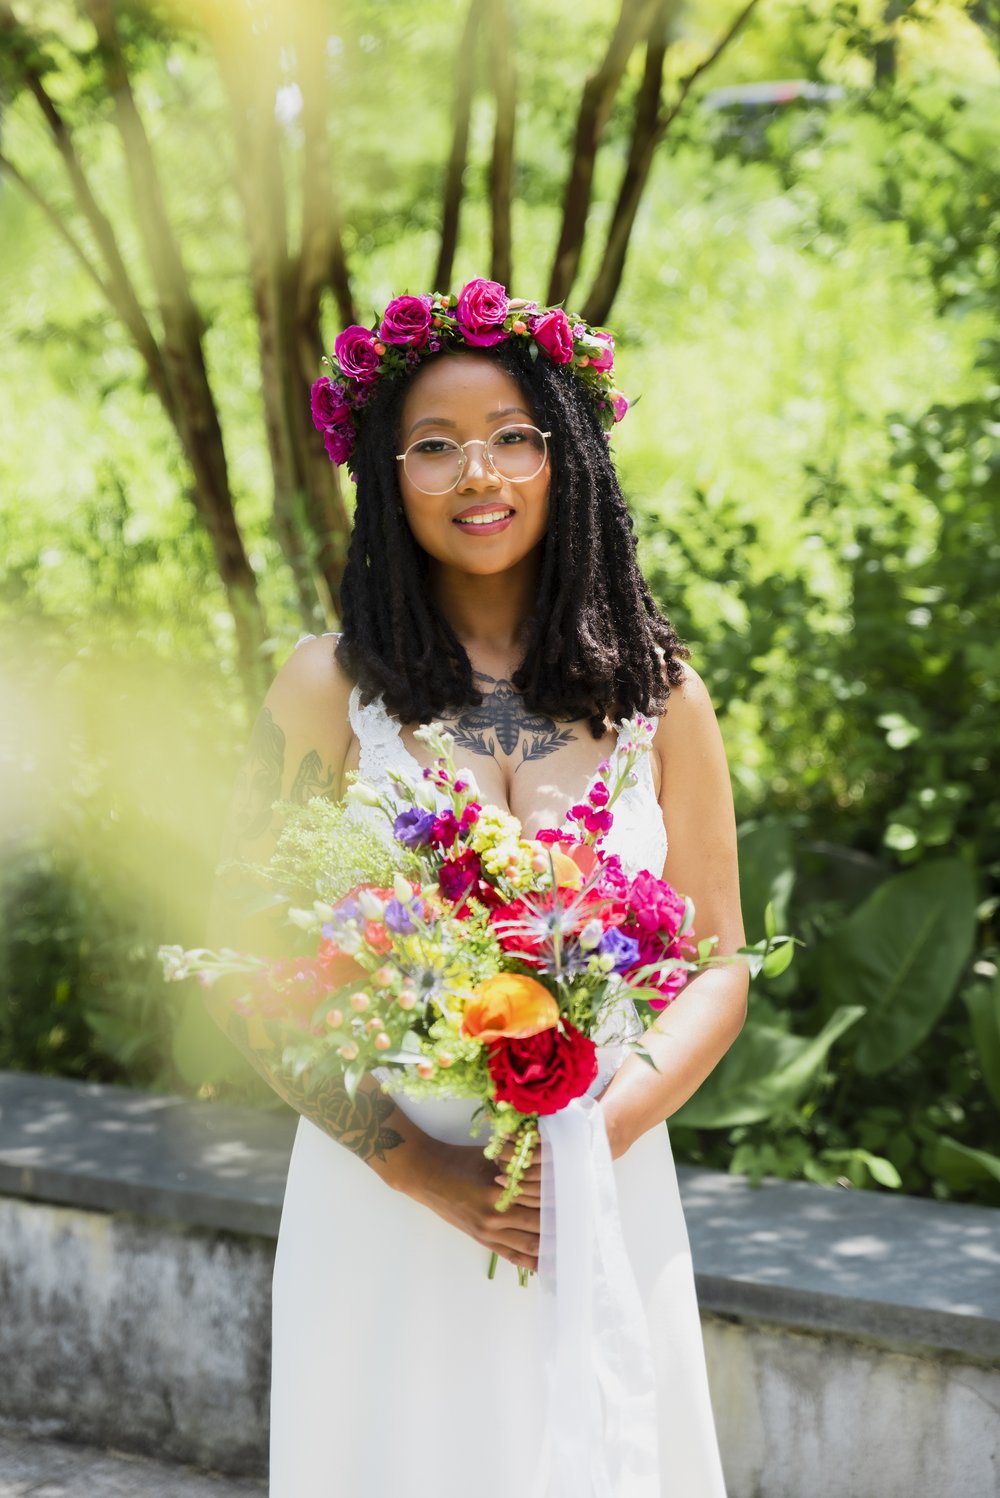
[{"x": 509, "y": 1006}]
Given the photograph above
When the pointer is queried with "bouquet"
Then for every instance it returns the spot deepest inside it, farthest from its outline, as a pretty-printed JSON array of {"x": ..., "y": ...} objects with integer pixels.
[{"x": 457, "y": 957}]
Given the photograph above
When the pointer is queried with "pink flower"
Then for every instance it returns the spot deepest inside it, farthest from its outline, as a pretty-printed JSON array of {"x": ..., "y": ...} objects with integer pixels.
[
  {"x": 356, "y": 353},
  {"x": 598, "y": 794},
  {"x": 407, "y": 320},
  {"x": 619, "y": 404},
  {"x": 658, "y": 907},
  {"x": 480, "y": 313},
  {"x": 460, "y": 876},
  {"x": 555, "y": 336},
  {"x": 604, "y": 361},
  {"x": 327, "y": 401},
  {"x": 597, "y": 822},
  {"x": 338, "y": 439},
  {"x": 470, "y": 816},
  {"x": 445, "y": 829}
]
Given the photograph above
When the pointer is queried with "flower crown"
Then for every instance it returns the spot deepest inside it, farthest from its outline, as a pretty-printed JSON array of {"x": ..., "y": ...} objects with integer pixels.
[{"x": 482, "y": 315}]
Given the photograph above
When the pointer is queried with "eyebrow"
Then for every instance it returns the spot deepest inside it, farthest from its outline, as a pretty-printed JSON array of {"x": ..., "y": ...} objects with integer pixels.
[{"x": 442, "y": 421}]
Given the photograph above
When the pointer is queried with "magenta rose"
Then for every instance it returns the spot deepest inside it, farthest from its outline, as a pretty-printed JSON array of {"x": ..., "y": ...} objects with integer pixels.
[
  {"x": 328, "y": 401},
  {"x": 338, "y": 438},
  {"x": 544, "y": 1072},
  {"x": 555, "y": 336},
  {"x": 605, "y": 360},
  {"x": 356, "y": 353},
  {"x": 407, "y": 320},
  {"x": 480, "y": 313}
]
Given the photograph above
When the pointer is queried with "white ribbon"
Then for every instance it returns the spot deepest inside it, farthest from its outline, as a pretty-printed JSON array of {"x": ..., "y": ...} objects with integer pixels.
[{"x": 601, "y": 1428}]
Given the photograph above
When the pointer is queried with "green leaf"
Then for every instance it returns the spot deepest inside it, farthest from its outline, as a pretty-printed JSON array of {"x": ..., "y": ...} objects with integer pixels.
[
  {"x": 901, "y": 954},
  {"x": 352, "y": 1078},
  {"x": 770, "y": 921},
  {"x": 982, "y": 1000},
  {"x": 778, "y": 959},
  {"x": 764, "y": 1072},
  {"x": 767, "y": 874},
  {"x": 961, "y": 1167}
]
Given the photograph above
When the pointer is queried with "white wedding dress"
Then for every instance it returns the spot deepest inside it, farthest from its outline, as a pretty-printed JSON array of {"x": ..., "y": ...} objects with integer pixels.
[{"x": 398, "y": 1369}]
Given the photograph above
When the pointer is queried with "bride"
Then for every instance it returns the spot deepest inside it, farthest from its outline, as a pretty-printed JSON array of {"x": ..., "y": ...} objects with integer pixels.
[{"x": 491, "y": 585}]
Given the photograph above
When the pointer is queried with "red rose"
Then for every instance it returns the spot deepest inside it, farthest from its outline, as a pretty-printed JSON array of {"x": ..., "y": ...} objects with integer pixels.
[{"x": 544, "y": 1072}]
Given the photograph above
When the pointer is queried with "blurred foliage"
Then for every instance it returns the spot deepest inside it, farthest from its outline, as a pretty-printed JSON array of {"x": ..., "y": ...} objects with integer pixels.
[{"x": 810, "y": 311}]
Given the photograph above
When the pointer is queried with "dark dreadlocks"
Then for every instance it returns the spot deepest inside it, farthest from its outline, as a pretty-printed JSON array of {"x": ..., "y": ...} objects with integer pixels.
[{"x": 592, "y": 636}]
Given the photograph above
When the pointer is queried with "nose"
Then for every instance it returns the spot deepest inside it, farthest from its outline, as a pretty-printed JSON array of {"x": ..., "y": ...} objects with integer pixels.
[{"x": 477, "y": 472}]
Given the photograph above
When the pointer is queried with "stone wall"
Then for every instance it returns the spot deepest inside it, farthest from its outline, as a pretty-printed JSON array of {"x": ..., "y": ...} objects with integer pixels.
[{"x": 853, "y": 1338}]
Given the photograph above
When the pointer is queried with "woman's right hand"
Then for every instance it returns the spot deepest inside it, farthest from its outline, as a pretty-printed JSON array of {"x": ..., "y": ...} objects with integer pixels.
[{"x": 463, "y": 1187}]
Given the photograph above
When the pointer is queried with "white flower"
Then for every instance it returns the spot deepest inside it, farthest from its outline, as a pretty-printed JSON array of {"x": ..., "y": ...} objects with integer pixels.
[
  {"x": 402, "y": 889},
  {"x": 370, "y": 905},
  {"x": 591, "y": 935},
  {"x": 362, "y": 794}
]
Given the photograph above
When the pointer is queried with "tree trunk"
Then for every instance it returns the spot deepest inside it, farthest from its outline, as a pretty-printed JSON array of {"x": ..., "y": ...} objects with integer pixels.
[
  {"x": 196, "y": 416},
  {"x": 596, "y": 103},
  {"x": 501, "y": 37},
  {"x": 451, "y": 206}
]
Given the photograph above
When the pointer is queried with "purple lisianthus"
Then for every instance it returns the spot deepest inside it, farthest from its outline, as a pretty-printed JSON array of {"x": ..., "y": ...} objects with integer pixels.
[
  {"x": 356, "y": 353},
  {"x": 398, "y": 918},
  {"x": 328, "y": 400},
  {"x": 413, "y": 828},
  {"x": 624, "y": 949},
  {"x": 407, "y": 320},
  {"x": 555, "y": 336},
  {"x": 481, "y": 311}
]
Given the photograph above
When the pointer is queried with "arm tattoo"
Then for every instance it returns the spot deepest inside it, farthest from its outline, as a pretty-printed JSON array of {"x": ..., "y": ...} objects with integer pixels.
[
  {"x": 359, "y": 1124},
  {"x": 310, "y": 780},
  {"x": 260, "y": 778}
]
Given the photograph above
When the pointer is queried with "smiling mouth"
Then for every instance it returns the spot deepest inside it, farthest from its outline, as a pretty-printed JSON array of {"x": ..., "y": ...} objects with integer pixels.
[{"x": 489, "y": 519}]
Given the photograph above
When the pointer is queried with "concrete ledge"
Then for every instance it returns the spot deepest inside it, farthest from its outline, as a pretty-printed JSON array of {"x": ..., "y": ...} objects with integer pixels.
[
  {"x": 116, "y": 1149},
  {"x": 852, "y": 1338},
  {"x": 899, "y": 1270}
]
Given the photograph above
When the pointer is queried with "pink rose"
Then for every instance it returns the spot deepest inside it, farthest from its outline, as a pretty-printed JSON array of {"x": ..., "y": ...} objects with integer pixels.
[
  {"x": 604, "y": 361},
  {"x": 328, "y": 402},
  {"x": 480, "y": 313},
  {"x": 620, "y": 404},
  {"x": 338, "y": 438},
  {"x": 407, "y": 320},
  {"x": 356, "y": 353},
  {"x": 555, "y": 336}
]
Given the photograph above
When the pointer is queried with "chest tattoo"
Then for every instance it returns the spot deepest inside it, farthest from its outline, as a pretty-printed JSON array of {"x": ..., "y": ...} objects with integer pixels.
[{"x": 503, "y": 720}]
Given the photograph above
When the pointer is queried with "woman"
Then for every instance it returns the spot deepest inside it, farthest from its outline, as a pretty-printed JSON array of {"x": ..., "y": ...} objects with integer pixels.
[{"x": 491, "y": 585}]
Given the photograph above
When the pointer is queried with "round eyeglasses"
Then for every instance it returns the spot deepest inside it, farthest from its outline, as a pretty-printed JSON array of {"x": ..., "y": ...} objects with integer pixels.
[{"x": 434, "y": 465}]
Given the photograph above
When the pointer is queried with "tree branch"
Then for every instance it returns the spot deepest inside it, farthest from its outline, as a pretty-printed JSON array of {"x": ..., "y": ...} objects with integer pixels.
[
  {"x": 649, "y": 127},
  {"x": 61, "y": 228},
  {"x": 451, "y": 206},
  {"x": 596, "y": 103},
  {"x": 119, "y": 286}
]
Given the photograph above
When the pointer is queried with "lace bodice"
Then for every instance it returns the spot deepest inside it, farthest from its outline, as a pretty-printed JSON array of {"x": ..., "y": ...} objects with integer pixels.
[{"x": 638, "y": 835}]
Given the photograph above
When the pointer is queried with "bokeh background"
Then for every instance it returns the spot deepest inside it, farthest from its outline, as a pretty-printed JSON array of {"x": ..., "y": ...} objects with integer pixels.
[{"x": 789, "y": 213}]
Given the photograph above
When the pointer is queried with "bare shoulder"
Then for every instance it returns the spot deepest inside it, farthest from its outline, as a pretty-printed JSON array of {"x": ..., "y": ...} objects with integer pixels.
[
  {"x": 310, "y": 696},
  {"x": 688, "y": 716}
]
